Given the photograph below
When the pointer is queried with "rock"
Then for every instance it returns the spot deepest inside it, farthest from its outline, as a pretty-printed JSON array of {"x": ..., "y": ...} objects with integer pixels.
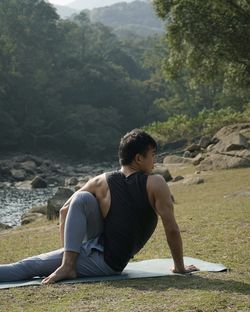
[
  {"x": 162, "y": 170},
  {"x": 28, "y": 165},
  {"x": 193, "y": 148},
  {"x": 233, "y": 141},
  {"x": 29, "y": 217},
  {"x": 4, "y": 227},
  {"x": 197, "y": 159},
  {"x": 18, "y": 174},
  {"x": 205, "y": 141},
  {"x": 193, "y": 180},
  {"x": 82, "y": 182},
  {"x": 71, "y": 181},
  {"x": 177, "y": 178},
  {"x": 225, "y": 161},
  {"x": 57, "y": 201},
  {"x": 210, "y": 147},
  {"x": 187, "y": 154},
  {"x": 4, "y": 173},
  {"x": 23, "y": 184},
  {"x": 39, "y": 209},
  {"x": 174, "y": 159},
  {"x": 38, "y": 182}
]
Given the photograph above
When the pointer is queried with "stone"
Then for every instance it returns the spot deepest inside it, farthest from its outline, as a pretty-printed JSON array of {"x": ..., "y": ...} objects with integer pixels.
[
  {"x": 193, "y": 148},
  {"x": 71, "y": 181},
  {"x": 57, "y": 201},
  {"x": 174, "y": 159},
  {"x": 39, "y": 209},
  {"x": 197, "y": 159},
  {"x": 204, "y": 141},
  {"x": 162, "y": 170},
  {"x": 38, "y": 182},
  {"x": 193, "y": 180},
  {"x": 4, "y": 227},
  {"x": 18, "y": 174},
  {"x": 29, "y": 217},
  {"x": 187, "y": 154},
  {"x": 28, "y": 165},
  {"x": 23, "y": 184},
  {"x": 233, "y": 141},
  {"x": 177, "y": 178},
  {"x": 224, "y": 161}
]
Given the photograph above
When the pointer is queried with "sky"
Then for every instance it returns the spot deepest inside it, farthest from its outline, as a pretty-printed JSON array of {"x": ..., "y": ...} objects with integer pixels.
[{"x": 65, "y": 2}]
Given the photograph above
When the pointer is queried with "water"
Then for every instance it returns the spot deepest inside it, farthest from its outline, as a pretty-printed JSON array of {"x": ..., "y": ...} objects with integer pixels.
[{"x": 14, "y": 202}]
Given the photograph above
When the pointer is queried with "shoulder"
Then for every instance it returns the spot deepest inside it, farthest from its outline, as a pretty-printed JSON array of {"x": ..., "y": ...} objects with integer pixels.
[{"x": 156, "y": 181}]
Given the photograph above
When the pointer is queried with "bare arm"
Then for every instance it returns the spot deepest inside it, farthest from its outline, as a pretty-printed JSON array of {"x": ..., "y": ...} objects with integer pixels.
[{"x": 162, "y": 199}]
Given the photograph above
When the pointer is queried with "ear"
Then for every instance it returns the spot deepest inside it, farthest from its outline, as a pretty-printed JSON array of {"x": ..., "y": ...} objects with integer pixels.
[{"x": 138, "y": 158}]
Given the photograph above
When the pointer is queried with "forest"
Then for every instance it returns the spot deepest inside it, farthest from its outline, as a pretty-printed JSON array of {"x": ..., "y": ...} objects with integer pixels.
[{"x": 74, "y": 87}]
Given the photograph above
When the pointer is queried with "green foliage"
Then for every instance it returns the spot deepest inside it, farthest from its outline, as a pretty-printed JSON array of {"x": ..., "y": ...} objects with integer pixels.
[
  {"x": 206, "y": 122},
  {"x": 70, "y": 86},
  {"x": 210, "y": 39}
]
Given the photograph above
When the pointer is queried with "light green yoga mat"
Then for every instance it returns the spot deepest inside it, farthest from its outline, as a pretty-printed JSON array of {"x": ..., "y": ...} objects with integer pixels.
[{"x": 140, "y": 269}]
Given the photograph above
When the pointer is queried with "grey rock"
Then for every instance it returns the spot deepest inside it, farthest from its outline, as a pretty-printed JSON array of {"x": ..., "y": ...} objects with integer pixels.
[
  {"x": 71, "y": 181},
  {"x": 177, "y": 178},
  {"x": 193, "y": 148},
  {"x": 4, "y": 227},
  {"x": 57, "y": 201},
  {"x": 193, "y": 180},
  {"x": 28, "y": 165},
  {"x": 38, "y": 182},
  {"x": 29, "y": 217},
  {"x": 162, "y": 170},
  {"x": 174, "y": 159},
  {"x": 187, "y": 154},
  {"x": 204, "y": 141},
  {"x": 18, "y": 174},
  {"x": 197, "y": 159}
]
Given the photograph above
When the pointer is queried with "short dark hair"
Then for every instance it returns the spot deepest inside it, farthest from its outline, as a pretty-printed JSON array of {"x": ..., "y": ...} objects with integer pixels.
[{"x": 134, "y": 142}]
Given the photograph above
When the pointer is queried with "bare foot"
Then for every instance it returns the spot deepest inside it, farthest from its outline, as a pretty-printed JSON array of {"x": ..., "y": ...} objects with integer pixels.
[{"x": 62, "y": 273}]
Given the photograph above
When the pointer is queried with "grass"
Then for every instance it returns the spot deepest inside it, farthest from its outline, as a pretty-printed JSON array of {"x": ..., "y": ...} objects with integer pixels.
[{"x": 214, "y": 226}]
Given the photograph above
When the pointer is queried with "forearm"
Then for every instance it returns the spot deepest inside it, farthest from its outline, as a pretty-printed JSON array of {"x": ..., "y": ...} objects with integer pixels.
[{"x": 175, "y": 244}]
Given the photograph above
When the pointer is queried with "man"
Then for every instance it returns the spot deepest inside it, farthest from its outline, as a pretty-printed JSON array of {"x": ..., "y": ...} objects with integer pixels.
[{"x": 106, "y": 222}]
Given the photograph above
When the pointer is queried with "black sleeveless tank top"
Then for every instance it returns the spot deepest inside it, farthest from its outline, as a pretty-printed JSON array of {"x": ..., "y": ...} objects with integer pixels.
[{"x": 130, "y": 221}]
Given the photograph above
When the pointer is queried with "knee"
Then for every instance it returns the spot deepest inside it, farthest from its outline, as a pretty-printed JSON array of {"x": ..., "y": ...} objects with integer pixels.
[{"x": 84, "y": 197}]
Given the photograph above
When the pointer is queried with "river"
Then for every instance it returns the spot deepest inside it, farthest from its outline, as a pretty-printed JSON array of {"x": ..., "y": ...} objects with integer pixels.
[{"x": 14, "y": 202}]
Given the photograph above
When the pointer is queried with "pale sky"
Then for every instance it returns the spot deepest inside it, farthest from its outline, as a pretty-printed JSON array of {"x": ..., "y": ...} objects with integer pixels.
[{"x": 60, "y": 2}]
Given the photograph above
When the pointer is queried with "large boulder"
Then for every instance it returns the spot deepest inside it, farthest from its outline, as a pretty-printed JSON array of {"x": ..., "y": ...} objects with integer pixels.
[
  {"x": 38, "y": 182},
  {"x": 57, "y": 201},
  {"x": 162, "y": 170},
  {"x": 18, "y": 174},
  {"x": 174, "y": 159},
  {"x": 230, "y": 149},
  {"x": 225, "y": 161}
]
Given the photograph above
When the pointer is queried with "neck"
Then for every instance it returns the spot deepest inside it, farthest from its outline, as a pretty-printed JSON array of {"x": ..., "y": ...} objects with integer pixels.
[{"x": 129, "y": 169}]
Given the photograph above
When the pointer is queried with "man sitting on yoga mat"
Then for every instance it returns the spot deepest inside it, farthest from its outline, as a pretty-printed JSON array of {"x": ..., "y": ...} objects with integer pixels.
[{"x": 106, "y": 222}]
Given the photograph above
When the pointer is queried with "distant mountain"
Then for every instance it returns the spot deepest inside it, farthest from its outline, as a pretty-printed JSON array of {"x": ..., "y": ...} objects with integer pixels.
[
  {"x": 91, "y": 4},
  {"x": 65, "y": 11},
  {"x": 127, "y": 19},
  {"x": 137, "y": 17}
]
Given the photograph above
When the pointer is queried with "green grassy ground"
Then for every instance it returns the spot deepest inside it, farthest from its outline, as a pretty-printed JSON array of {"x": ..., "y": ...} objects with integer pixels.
[{"x": 214, "y": 226}]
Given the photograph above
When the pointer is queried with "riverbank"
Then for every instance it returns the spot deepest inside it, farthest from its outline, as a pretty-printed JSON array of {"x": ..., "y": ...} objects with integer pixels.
[{"x": 214, "y": 222}]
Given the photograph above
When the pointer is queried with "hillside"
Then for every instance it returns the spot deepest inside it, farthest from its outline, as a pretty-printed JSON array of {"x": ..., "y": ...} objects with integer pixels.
[
  {"x": 91, "y": 4},
  {"x": 137, "y": 17},
  {"x": 134, "y": 18}
]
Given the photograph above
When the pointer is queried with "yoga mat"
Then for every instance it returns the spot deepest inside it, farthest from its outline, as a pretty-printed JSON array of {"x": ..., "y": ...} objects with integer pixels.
[{"x": 140, "y": 269}]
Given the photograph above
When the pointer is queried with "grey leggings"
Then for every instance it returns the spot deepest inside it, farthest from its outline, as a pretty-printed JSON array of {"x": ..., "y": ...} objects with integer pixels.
[{"x": 83, "y": 226}]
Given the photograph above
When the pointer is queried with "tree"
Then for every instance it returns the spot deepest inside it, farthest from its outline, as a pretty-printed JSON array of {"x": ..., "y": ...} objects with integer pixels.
[{"x": 210, "y": 39}]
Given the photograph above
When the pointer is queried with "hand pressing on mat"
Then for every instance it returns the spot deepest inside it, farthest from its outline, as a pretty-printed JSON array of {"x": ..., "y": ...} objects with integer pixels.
[{"x": 187, "y": 269}]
